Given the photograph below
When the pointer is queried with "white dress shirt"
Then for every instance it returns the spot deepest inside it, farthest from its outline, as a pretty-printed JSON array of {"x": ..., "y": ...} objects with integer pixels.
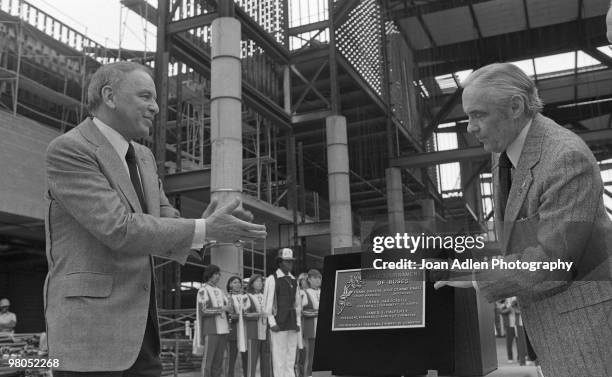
[
  {"x": 515, "y": 148},
  {"x": 120, "y": 145}
]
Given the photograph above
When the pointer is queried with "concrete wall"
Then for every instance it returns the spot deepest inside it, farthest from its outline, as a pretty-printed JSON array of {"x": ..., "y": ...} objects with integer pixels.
[{"x": 23, "y": 143}]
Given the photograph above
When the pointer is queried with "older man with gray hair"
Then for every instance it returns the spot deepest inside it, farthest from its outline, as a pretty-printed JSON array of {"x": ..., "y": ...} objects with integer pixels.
[
  {"x": 548, "y": 200},
  {"x": 107, "y": 215},
  {"x": 609, "y": 23}
]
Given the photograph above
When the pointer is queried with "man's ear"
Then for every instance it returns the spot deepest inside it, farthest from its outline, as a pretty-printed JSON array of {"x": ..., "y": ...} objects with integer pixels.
[
  {"x": 517, "y": 106},
  {"x": 108, "y": 96}
]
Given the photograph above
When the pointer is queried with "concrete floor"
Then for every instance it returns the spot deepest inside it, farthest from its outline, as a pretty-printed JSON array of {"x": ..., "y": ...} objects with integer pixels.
[{"x": 505, "y": 368}]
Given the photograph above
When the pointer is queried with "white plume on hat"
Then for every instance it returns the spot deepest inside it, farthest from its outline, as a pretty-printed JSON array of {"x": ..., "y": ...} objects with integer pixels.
[{"x": 285, "y": 254}]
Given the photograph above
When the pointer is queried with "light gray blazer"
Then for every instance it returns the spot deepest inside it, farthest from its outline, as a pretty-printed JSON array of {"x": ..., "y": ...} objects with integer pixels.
[
  {"x": 99, "y": 248},
  {"x": 555, "y": 210}
]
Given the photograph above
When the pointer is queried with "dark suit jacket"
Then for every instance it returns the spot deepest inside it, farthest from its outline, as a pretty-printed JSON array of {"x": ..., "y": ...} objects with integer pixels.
[
  {"x": 99, "y": 247},
  {"x": 555, "y": 210}
]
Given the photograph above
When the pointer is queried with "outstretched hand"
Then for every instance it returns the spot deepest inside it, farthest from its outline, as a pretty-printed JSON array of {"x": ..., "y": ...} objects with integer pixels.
[
  {"x": 453, "y": 283},
  {"x": 240, "y": 213},
  {"x": 229, "y": 224}
]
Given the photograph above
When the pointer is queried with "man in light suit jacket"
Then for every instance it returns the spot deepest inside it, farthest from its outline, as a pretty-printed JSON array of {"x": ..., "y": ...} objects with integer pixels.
[
  {"x": 554, "y": 210},
  {"x": 609, "y": 23},
  {"x": 107, "y": 215}
]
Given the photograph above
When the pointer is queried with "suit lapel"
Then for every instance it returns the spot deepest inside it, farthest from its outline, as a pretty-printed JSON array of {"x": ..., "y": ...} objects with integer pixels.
[
  {"x": 112, "y": 165},
  {"x": 499, "y": 221},
  {"x": 523, "y": 177}
]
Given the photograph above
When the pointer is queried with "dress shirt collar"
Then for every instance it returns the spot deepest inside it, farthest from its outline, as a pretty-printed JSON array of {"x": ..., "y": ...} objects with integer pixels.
[
  {"x": 515, "y": 148},
  {"x": 280, "y": 274},
  {"x": 120, "y": 145}
]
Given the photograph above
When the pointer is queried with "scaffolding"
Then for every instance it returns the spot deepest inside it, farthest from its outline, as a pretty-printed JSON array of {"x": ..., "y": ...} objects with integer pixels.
[
  {"x": 45, "y": 65},
  {"x": 293, "y": 72}
]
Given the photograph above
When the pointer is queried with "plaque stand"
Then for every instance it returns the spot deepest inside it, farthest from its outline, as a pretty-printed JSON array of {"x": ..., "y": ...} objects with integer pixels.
[
  {"x": 457, "y": 341},
  {"x": 475, "y": 347}
]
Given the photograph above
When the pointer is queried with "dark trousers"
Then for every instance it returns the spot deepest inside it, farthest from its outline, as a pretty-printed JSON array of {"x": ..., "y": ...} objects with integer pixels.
[
  {"x": 530, "y": 351},
  {"x": 521, "y": 344},
  {"x": 214, "y": 350},
  {"x": 147, "y": 363},
  {"x": 510, "y": 334},
  {"x": 309, "y": 357},
  {"x": 300, "y": 361},
  {"x": 266, "y": 353},
  {"x": 499, "y": 332},
  {"x": 233, "y": 356},
  {"x": 256, "y": 351}
]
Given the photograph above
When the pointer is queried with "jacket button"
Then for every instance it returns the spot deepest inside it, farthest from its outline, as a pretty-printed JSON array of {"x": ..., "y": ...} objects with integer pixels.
[{"x": 146, "y": 286}]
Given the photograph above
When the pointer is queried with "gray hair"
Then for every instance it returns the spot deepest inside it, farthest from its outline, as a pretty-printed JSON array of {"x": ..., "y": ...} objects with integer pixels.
[
  {"x": 508, "y": 81},
  {"x": 110, "y": 74}
]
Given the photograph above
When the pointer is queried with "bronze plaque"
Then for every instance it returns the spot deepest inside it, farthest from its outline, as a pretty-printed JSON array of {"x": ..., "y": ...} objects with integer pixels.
[{"x": 379, "y": 299}]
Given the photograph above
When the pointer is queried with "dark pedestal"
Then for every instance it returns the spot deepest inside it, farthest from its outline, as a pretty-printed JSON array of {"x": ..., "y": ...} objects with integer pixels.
[{"x": 457, "y": 340}]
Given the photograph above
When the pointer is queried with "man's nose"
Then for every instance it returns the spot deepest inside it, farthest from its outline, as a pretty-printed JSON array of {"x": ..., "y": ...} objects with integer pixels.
[
  {"x": 471, "y": 127},
  {"x": 154, "y": 107}
]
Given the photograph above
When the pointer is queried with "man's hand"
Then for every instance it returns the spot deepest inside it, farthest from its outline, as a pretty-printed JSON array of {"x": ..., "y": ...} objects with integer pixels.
[
  {"x": 227, "y": 308},
  {"x": 240, "y": 213},
  {"x": 229, "y": 224},
  {"x": 275, "y": 328},
  {"x": 453, "y": 283}
]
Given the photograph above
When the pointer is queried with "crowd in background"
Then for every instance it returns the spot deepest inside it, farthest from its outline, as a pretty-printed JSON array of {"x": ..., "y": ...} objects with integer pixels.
[{"x": 270, "y": 323}]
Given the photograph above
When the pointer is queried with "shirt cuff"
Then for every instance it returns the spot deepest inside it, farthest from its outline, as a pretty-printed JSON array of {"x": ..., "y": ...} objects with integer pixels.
[
  {"x": 271, "y": 321},
  {"x": 199, "y": 236}
]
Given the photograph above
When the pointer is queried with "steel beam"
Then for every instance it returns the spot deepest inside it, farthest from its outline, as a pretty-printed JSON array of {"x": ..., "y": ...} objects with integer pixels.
[
  {"x": 313, "y": 229},
  {"x": 429, "y": 7},
  {"x": 448, "y": 106},
  {"x": 303, "y": 56},
  {"x": 475, "y": 19},
  {"x": 263, "y": 39},
  {"x": 333, "y": 63},
  {"x": 199, "y": 59},
  {"x": 143, "y": 8},
  {"x": 348, "y": 68},
  {"x": 478, "y": 153},
  {"x": 591, "y": 89},
  {"x": 188, "y": 181},
  {"x": 342, "y": 11},
  {"x": 603, "y": 58},
  {"x": 162, "y": 58},
  {"x": 280, "y": 214},
  {"x": 570, "y": 114},
  {"x": 368, "y": 202},
  {"x": 550, "y": 39},
  {"x": 191, "y": 23},
  {"x": 434, "y": 158},
  {"x": 308, "y": 27},
  {"x": 249, "y": 27},
  {"x": 305, "y": 132},
  {"x": 311, "y": 116}
]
